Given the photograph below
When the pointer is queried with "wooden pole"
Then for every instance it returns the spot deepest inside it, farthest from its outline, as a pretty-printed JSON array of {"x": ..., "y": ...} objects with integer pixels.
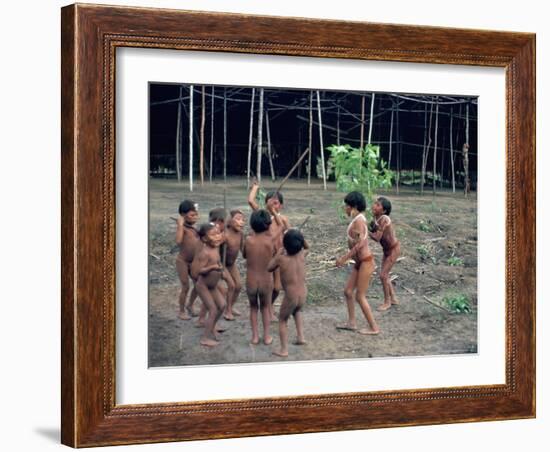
[
  {"x": 178, "y": 139},
  {"x": 426, "y": 150},
  {"x": 203, "y": 121},
  {"x": 292, "y": 169},
  {"x": 465, "y": 149},
  {"x": 337, "y": 126},
  {"x": 191, "y": 138},
  {"x": 452, "y": 151},
  {"x": 259, "y": 140},
  {"x": 310, "y": 137},
  {"x": 391, "y": 135},
  {"x": 225, "y": 135},
  {"x": 361, "y": 139},
  {"x": 269, "y": 145},
  {"x": 211, "y": 137},
  {"x": 249, "y": 158},
  {"x": 398, "y": 177},
  {"x": 371, "y": 119},
  {"x": 321, "y": 147},
  {"x": 435, "y": 144}
]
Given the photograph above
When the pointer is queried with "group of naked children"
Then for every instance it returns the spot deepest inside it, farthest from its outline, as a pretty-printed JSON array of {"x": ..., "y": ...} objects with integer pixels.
[{"x": 275, "y": 260}]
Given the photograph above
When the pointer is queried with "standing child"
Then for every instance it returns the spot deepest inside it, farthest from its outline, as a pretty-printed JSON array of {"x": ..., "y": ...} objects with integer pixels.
[
  {"x": 361, "y": 273},
  {"x": 293, "y": 278},
  {"x": 258, "y": 251},
  {"x": 234, "y": 242},
  {"x": 187, "y": 238},
  {"x": 381, "y": 230},
  {"x": 274, "y": 204},
  {"x": 207, "y": 271}
]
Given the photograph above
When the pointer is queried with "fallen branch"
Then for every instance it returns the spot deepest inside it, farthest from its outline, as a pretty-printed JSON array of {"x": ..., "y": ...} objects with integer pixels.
[
  {"x": 292, "y": 170},
  {"x": 434, "y": 303},
  {"x": 408, "y": 290}
]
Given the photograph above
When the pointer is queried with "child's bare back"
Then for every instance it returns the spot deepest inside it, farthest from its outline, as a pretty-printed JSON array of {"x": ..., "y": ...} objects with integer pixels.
[{"x": 258, "y": 251}]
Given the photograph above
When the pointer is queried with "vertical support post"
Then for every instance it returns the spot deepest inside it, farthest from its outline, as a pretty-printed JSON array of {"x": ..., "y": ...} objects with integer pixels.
[
  {"x": 322, "y": 150},
  {"x": 191, "y": 138}
]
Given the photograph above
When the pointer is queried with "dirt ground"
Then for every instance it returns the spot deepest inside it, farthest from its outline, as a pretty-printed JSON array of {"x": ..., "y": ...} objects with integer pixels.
[{"x": 431, "y": 231}]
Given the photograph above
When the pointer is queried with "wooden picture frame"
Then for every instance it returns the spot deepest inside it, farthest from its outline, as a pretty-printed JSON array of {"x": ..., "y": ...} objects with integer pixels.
[{"x": 90, "y": 36}]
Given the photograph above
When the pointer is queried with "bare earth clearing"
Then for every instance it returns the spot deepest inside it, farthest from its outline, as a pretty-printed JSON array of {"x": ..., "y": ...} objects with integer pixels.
[{"x": 442, "y": 227}]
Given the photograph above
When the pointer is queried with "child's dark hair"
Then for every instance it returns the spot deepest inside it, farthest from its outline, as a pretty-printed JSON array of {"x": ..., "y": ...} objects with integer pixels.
[
  {"x": 356, "y": 200},
  {"x": 205, "y": 228},
  {"x": 260, "y": 220},
  {"x": 386, "y": 204},
  {"x": 293, "y": 241},
  {"x": 236, "y": 212},
  {"x": 217, "y": 214},
  {"x": 274, "y": 194},
  {"x": 187, "y": 206}
]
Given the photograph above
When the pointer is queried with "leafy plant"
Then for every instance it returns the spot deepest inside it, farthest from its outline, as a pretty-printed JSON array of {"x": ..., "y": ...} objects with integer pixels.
[
  {"x": 358, "y": 169},
  {"x": 424, "y": 251},
  {"x": 424, "y": 226},
  {"x": 455, "y": 261},
  {"x": 458, "y": 303}
]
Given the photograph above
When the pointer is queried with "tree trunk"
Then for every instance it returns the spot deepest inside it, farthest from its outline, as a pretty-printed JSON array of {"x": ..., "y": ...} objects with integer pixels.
[
  {"x": 225, "y": 135},
  {"x": 435, "y": 143},
  {"x": 191, "y": 138},
  {"x": 250, "y": 128},
  {"x": 259, "y": 141},
  {"x": 211, "y": 137},
  {"x": 452, "y": 151},
  {"x": 270, "y": 157},
  {"x": 203, "y": 120},
  {"x": 371, "y": 118},
  {"x": 310, "y": 137},
  {"x": 321, "y": 148},
  {"x": 178, "y": 139}
]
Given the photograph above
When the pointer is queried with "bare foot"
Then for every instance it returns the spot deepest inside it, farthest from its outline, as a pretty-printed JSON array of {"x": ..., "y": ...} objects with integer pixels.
[
  {"x": 268, "y": 340},
  {"x": 199, "y": 324},
  {"x": 255, "y": 341},
  {"x": 366, "y": 332},
  {"x": 346, "y": 326},
  {"x": 300, "y": 342},
  {"x": 384, "y": 307},
  {"x": 236, "y": 313},
  {"x": 395, "y": 301},
  {"x": 184, "y": 316},
  {"x": 191, "y": 312},
  {"x": 229, "y": 317},
  {"x": 209, "y": 342},
  {"x": 280, "y": 353}
]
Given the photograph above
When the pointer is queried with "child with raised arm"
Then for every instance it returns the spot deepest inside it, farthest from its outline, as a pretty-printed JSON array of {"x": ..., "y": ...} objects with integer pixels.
[
  {"x": 381, "y": 230},
  {"x": 363, "y": 268},
  {"x": 207, "y": 271},
  {"x": 291, "y": 262},
  {"x": 187, "y": 238},
  {"x": 274, "y": 204},
  {"x": 234, "y": 242},
  {"x": 258, "y": 251}
]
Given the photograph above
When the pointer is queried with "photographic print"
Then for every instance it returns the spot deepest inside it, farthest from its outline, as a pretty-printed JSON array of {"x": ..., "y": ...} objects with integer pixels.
[{"x": 305, "y": 224}]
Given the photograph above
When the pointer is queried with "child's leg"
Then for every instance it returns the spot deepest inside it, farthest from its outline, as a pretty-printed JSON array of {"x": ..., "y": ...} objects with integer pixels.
[
  {"x": 277, "y": 287},
  {"x": 208, "y": 338},
  {"x": 389, "y": 293},
  {"x": 202, "y": 315},
  {"x": 228, "y": 277},
  {"x": 220, "y": 301},
  {"x": 238, "y": 286},
  {"x": 351, "y": 324},
  {"x": 192, "y": 298},
  {"x": 253, "y": 301},
  {"x": 363, "y": 280},
  {"x": 284, "y": 313},
  {"x": 183, "y": 273},
  {"x": 299, "y": 319},
  {"x": 265, "y": 306}
]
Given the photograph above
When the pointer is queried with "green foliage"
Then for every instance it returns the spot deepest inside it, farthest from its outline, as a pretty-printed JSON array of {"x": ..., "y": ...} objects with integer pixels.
[
  {"x": 356, "y": 169},
  {"x": 424, "y": 251},
  {"x": 424, "y": 226},
  {"x": 455, "y": 261},
  {"x": 458, "y": 303}
]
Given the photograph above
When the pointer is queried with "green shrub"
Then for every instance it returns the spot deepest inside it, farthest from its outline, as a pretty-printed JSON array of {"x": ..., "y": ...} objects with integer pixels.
[{"x": 458, "y": 303}]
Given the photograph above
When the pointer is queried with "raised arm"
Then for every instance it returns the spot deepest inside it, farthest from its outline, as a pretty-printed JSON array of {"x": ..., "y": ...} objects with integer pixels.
[
  {"x": 252, "y": 195},
  {"x": 275, "y": 261},
  {"x": 180, "y": 230}
]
